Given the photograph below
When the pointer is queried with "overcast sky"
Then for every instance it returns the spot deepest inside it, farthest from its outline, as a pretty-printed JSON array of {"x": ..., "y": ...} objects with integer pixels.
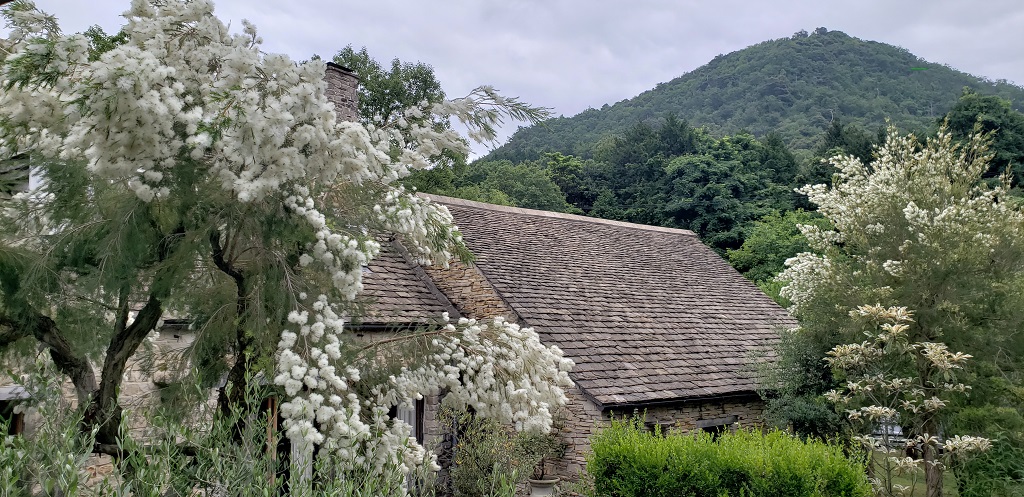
[{"x": 573, "y": 54}]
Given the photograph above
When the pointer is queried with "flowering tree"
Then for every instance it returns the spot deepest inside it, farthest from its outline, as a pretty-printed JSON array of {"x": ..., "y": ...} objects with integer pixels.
[
  {"x": 891, "y": 382},
  {"x": 185, "y": 173},
  {"x": 915, "y": 228}
]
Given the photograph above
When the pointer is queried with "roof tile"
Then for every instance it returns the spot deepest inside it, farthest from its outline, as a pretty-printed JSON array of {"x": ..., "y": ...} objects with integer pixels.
[{"x": 648, "y": 313}]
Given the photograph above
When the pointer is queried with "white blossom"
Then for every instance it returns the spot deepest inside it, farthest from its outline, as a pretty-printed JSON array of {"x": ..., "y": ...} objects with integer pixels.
[{"x": 184, "y": 106}]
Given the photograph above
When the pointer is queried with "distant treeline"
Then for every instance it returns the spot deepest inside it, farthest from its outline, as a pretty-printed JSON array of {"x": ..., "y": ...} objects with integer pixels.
[{"x": 736, "y": 192}]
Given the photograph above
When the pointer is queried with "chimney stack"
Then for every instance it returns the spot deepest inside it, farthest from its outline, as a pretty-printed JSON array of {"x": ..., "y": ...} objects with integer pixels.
[{"x": 342, "y": 84}]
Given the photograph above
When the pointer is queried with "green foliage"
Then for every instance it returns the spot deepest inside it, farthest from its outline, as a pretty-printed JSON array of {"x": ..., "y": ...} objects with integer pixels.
[
  {"x": 203, "y": 453},
  {"x": 793, "y": 386},
  {"x": 527, "y": 185},
  {"x": 385, "y": 92},
  {"x": 671, "y": 175},
  {"x": 888, "y": 379},
  {"x": 573, "y": 178},
  {"x": 999, "y": 472},
  {"x": 918, "y": 227},
  {"x": 629, "y": 461},
  {"x": 491, "y": 459},
  {"x": 792, "y": 86},
  {"x": 678, "y": 176},
  {"x": 100, "y": 42},
  {"x": 52, "y": 460},
  {"x": 846, "y": 139},
  {"x": 773, "y": 239},
  {"x": 991, "y": 114},
  {"x": 13, "y": 176}
]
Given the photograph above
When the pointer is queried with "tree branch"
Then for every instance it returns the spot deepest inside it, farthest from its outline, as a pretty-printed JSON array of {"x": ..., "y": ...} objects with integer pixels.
[
  {"x": 104, "y": 410},
  {"x": 236, "y": 376},
  {"x": 10, "y": 333},
  {"x": 45, "y": 330}
]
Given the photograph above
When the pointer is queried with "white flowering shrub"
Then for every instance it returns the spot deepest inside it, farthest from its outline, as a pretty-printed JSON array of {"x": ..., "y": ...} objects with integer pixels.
[
  {"x": 920, "y": 228},
  {"x": 891, "y": 382},
  {"x": 912, "y": 211},
  {"x": 186, "y": 173},
  {"x": 497, "y": 368}
]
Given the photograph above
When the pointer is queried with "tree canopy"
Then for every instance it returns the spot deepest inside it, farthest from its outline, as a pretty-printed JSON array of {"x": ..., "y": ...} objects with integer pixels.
[
  {"x": 187, "y": 174},
  {"x": 385, "y": 92},
  {"x": 916, "y": 229}
]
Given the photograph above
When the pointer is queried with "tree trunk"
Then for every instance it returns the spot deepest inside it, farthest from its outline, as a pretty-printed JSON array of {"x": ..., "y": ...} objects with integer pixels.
[
  {"x": 105, "y": 410},
  {"x": 29, "y": 322},
  {"x": 932, "y": 465},
  {"x": 236, "y": 386}
]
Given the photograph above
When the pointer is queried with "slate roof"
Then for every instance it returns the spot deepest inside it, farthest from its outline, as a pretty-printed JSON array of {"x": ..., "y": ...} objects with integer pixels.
[
  {"x": 650, "y": 315},
  {"x": 397, "y": 292}
]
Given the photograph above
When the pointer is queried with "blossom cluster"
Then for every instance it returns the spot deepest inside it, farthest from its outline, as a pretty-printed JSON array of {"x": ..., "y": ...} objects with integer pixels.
[
  {"x": 912, "y": 210},
  {"x": 498, "y": 368},
  {"x": 878, "y": 396}
]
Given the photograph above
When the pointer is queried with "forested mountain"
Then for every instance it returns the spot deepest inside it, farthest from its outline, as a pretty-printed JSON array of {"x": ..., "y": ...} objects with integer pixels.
[{"x": 793, "y": 86}]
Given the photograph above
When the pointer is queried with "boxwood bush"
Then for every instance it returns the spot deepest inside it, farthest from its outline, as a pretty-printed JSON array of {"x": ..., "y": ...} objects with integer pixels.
[{"x": 630, "y": 461}]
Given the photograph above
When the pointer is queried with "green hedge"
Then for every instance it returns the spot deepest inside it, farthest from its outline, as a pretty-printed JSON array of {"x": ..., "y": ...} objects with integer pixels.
[{"x": 629, "y": 461}]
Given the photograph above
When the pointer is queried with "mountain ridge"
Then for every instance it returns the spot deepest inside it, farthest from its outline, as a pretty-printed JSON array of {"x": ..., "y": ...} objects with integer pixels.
[{"x": 790, "y": 86}]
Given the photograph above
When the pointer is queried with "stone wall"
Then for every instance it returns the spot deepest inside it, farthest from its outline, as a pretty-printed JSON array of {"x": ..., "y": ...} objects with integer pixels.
[
  {"x": 431, "y": 428},
  {"x": 731, "y": 413},
  {"x": 145, "y": 371},
  {"x": 582, "y": 418},
  {"x": 342, "y": 91},
  {"x": 470, "y": 292},
  {"x": 151, "y": 366}
]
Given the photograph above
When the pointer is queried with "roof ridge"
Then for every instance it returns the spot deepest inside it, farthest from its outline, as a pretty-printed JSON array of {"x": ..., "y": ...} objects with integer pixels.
[{"x": 441, "y": 199}]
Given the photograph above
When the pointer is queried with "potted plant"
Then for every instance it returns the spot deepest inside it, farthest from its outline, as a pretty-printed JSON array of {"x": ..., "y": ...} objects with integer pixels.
[{"x": 543, "y": 447}]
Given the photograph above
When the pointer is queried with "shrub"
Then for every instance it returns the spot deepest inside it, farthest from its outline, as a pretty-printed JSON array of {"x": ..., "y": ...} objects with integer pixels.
[
  {"x": 999, "y": 472},
  {"x": 200, "y": 452},
  {"x": 628, "y": 461},
  {"x": 491, "y": 459}
]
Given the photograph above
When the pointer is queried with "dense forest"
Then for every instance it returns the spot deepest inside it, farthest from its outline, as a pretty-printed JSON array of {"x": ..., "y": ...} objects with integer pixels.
[
  {"x": 793, "y": 86},
  {"x": 736, "y": 191}
]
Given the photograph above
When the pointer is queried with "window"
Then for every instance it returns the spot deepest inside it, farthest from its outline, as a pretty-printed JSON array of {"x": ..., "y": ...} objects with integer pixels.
[
  {"x": 413, "y": 416},
  {"x": 717, "y": 426},
  {"x": 9, "y": 397}
]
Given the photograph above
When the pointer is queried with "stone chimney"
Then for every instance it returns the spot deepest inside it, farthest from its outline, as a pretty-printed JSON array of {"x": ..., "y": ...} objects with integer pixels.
[{"x": 342, "y": 84}]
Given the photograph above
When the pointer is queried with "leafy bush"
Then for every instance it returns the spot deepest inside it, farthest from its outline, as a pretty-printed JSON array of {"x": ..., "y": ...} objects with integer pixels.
[
  {"x": 628, "y": 461},
  {"x": 999, "y": 472},
  {"x": 201, "y": 453},
  {"x": 491, "y": 459}
]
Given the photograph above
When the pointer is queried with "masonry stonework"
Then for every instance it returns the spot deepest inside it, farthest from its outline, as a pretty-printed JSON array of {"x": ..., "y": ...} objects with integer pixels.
[
  {"x": 469, "y": 291},
  {"x": 342, "y": 91},
  {"x": 582, "y": 419}
]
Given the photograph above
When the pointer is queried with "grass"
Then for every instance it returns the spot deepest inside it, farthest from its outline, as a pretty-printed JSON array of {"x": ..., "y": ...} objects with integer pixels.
[{"x": 948, "y": 481}]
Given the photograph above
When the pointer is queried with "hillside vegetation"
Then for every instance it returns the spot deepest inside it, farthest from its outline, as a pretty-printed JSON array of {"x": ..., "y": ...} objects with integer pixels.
[{"x": 793, "y": 86}]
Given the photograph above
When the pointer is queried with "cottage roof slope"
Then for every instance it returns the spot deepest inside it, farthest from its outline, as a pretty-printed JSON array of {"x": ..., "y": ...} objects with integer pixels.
[
  {"x": 397, "y": 293},
  {"x": 649, "y": 314}
]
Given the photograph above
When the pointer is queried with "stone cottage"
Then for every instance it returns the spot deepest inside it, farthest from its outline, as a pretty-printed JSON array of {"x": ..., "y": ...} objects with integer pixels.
[{"x": 655, "y": 320}]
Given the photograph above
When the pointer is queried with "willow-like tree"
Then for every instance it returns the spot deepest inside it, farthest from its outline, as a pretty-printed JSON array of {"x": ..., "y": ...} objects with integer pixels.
[{"x": 185, "y": 173}]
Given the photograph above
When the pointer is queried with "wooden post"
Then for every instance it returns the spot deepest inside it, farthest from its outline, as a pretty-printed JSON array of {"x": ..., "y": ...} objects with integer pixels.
[{"x": 271, "y": 437}]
